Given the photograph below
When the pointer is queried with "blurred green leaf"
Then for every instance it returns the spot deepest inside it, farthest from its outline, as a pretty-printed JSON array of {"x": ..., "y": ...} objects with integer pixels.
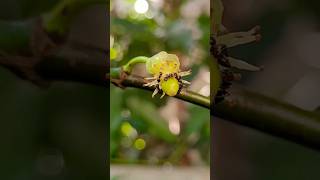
[
  {"x": 147, "y": 112},
  {"x": 115, "y": 118},
  {"x": 203, "y": 22},
  {"x": 198, "y": 119},
  {"x": 178, "y": 37}
]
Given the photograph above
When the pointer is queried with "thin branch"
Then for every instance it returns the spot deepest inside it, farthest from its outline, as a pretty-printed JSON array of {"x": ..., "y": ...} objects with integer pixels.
[{"x": 117, "y": 76}]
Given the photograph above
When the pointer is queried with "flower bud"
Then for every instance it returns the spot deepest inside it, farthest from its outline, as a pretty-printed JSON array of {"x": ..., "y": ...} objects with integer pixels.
[{"x": 170, "y": 86}]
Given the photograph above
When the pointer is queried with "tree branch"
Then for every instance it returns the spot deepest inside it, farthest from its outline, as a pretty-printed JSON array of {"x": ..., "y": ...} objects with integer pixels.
[
  {"x": 22, "y": 54},
  {"x": 271, "y": 116},
  {"x": 118, "y": 76},
  {"x": 85, "y": 64}
]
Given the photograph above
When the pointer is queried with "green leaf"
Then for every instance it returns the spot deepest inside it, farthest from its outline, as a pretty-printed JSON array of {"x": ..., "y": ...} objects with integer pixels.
[
  {"x": 147, "y": 112},
  {"x": 179, "y": 37},
  {"x": 198, "y": 119},
  {"x": 115, "y": 118}
]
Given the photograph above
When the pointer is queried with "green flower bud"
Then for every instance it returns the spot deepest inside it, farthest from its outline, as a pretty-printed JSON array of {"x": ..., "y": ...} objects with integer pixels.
[{"x": 170, "y": 86}]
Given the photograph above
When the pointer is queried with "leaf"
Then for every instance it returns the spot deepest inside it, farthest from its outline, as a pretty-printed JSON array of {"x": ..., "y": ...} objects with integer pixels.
[
  {"x": 179, "y": 37},
  {"x": 198, "y": 119},
  {"x": 115, "y": 118},
  {"x": 147, "y": 112}
]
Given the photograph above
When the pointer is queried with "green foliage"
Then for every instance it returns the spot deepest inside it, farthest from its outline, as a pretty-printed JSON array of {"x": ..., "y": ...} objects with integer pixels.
[
  {"x": 147, "y": 113},
  {"x": 197, "y": 121},
  {"x": 137, "y": 35}
]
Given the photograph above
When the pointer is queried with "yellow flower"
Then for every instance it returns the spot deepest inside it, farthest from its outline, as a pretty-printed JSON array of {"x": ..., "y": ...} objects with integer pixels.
[{"x": 164, "y": 63}]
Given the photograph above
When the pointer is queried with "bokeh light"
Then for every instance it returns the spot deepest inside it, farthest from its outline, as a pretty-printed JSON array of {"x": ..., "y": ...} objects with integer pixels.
[
  {"x": 141, "y": 6},
  {"x": 174, "y": 125},
  {"x": 140, "y": 144},
  {"x": 128, "y": 130}
]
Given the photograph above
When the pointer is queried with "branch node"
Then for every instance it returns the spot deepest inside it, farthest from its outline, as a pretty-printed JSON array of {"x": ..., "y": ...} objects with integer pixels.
[{"x": 118, "y": 82}]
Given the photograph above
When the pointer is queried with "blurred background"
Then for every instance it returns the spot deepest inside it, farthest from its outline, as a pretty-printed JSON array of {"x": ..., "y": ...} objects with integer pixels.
[
  {"x": 289, "y": 52},
  {"x": 58, "y": 132},
  {"x": 149, "y": 137}
]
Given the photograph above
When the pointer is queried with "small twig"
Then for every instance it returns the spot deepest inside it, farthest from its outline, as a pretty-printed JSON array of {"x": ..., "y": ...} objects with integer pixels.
[{"x": 137, "y": 82}]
